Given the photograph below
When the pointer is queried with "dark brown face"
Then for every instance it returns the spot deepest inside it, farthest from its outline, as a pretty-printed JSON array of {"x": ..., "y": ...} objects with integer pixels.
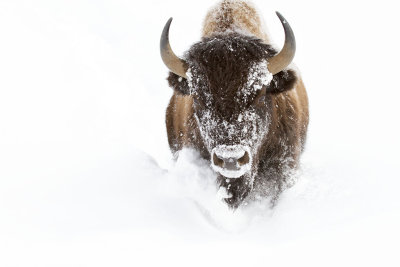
[
  {"x": 232, "y": 91},
  {"x": 233, "y": 124}
]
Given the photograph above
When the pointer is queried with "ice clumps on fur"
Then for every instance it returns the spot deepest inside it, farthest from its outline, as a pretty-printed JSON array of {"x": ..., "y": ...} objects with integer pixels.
[{"x": 259, "y": 75}]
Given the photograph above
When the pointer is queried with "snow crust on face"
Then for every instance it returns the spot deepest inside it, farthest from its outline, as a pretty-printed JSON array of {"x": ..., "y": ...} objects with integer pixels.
[
  {"x": 210, "y": 125},
  {"x": 189, "y": 78},
  {"x": 259, "y": 76},
  {"x": 192, "y": 74},
  {"x": 251, "y": 135}
]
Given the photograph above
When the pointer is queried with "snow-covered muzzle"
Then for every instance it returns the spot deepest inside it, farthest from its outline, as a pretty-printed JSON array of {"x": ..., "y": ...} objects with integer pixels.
[
  {"x": 233, "y": 143},
  {"x": 231, "y": 161}
]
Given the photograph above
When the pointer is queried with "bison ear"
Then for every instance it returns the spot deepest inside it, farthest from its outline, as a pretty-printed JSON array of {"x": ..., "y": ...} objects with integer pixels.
[
  {"x": 178, "y": 83},
  {"x": 282, "y": 81}
]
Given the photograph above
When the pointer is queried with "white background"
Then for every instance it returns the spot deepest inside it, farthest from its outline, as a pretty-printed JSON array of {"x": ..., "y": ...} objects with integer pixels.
[{"x": 86, "y": 176}]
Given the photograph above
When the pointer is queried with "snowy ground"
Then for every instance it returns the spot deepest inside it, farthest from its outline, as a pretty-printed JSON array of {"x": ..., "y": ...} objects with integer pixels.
[{"x": 86, "y": 177}]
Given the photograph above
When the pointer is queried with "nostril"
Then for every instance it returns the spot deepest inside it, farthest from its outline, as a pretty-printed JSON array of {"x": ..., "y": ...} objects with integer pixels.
[
  {"x": 244, "y": 160},
  {"x": 217, "y": 161}
]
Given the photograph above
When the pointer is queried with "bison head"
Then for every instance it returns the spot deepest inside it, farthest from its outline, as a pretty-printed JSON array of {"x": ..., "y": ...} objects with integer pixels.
[{"x": 231, "y": 78}]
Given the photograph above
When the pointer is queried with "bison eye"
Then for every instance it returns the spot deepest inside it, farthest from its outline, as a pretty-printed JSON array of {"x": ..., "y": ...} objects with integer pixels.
[{"x": 261, "y": 100}]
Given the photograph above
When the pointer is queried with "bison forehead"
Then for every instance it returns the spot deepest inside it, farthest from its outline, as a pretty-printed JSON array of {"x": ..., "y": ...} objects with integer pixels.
[
  {"x": 228, "y": 70},
  {"x": 235, "y": 98}
]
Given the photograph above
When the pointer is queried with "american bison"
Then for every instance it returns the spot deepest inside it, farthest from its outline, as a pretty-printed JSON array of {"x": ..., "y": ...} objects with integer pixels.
[{"x": 238, "y": 102}]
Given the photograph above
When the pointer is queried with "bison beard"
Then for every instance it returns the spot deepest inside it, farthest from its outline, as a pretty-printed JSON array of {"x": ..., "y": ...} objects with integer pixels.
[{"x": 237, "y": 189}]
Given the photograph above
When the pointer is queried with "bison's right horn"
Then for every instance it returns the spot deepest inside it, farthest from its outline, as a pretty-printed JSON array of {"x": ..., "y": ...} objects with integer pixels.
[
  {"x": 174, "y": 63},
  {"x": 286, "y": 55}
]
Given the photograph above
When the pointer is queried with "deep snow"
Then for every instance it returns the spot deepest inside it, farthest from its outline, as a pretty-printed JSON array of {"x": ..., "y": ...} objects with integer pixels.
[{"x": 86, "y": 176}]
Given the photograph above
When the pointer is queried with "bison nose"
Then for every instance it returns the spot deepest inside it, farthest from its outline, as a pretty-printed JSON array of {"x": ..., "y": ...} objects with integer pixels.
[{"x": 231, "y": 161}]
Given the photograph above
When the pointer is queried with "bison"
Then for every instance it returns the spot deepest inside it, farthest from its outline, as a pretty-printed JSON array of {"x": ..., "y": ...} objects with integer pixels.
[{"x": 238, "y": 102}]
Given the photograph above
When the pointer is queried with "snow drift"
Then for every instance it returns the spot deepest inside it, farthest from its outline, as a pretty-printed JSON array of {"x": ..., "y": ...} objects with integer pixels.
[{"x": 86, "y": 177}]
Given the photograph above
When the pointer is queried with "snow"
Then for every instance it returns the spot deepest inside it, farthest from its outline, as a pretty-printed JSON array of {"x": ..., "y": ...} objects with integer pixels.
[
  {"x": 86, "y": 176},
  {"x": 225, "y": 151},
  {"x": 258, "y": 76},
  {"x": 232, "y": 173},
  {"x": 232, "y": 152}
]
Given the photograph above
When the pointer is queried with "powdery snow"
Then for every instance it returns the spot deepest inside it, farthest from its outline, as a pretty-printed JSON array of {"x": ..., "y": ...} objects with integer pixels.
[
  {"x": 258, "y": 76},
  {"x": 86, "y": 176}
]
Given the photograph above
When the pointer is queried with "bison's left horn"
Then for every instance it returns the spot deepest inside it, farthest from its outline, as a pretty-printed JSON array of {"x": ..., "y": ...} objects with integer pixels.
[
  {"x": 174, "y": 63},
  {"x": 286, "y": 55}
]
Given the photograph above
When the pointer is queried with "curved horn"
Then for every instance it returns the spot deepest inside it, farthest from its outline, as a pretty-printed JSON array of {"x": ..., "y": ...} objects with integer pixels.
[
  {"x": 174, "y": 63},
  {"x": 286, "y": 55}
]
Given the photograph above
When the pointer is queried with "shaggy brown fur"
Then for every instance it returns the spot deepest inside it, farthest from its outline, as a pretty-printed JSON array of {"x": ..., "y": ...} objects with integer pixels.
[
  {"x": 231, "y": 16},
  {"x": 221, "y": 62}
]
